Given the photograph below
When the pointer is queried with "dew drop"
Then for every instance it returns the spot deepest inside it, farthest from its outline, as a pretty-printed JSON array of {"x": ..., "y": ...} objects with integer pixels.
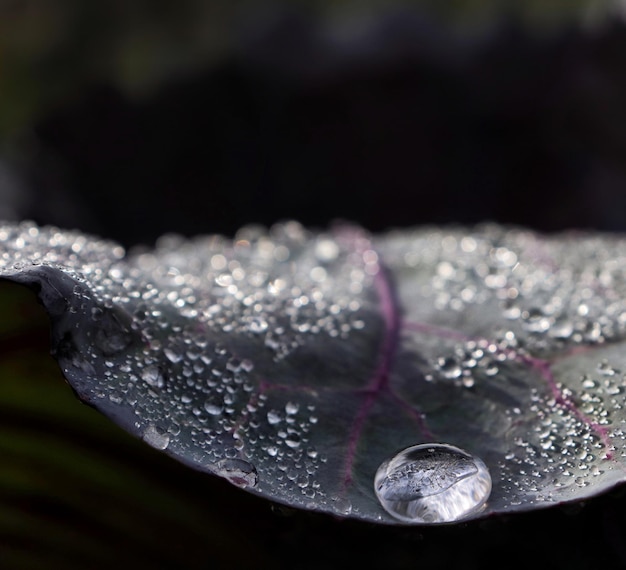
[
  {"x": 432, "y": 483},
  {"x": 111, "y": 341},
  {"x": 238, "y": 472},
  {"x": 449, "y": 368},
  {"x": 212, "y": 408},
  {"x": 342, "y": 505},
  {"x": 156, "y": 437},
  {"x": 153, "y": 376},
  {"x": 172, "y": 355},
  {"x": 257, "y": 325},
  {"x": 293, "y": 440},
  {"x": 273, "y": 417}
]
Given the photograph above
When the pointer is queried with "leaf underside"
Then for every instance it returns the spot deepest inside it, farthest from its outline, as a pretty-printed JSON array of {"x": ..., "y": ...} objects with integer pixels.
[{"x": 294, "y": 363}]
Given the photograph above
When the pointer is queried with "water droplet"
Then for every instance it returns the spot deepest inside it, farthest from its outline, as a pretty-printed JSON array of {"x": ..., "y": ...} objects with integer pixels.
[
  {"x": 449, "y": 368},
  {"x": 342, "y": 505},
  {"x": 156, "y": 437},
  {"x": 111, "y": 342},
  {"x": 212, "y": 408},
  {"x": 273, "y": 417},
  {"x": 432, "y": 483},
  {"x": 257, "y": 325},
  {"x": 326, "y": 250},
  {"x": 153, "y": 376},
  {"x": 293, "y": 440},
  {"x": 172, "y": 355},
  {"x": 238, "y": 472},
  {"x": 79, "y": 362},
  {"x": 562, "y": 329}
]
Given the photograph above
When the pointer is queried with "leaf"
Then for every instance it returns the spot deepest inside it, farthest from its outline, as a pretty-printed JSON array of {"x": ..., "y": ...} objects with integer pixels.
[
  {"x": 76, "y": 491},
  {"x": 295, "y": 363}
]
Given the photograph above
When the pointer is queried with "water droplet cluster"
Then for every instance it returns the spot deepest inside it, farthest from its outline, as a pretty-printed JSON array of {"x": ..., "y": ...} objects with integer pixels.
[
  {"x": 514, "y": 325},
  {"x": 256, "y": 358},
  {"x": 188, "y": 340}
]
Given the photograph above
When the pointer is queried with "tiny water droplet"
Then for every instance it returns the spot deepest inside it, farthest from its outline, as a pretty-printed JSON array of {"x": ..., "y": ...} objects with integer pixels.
[
  {"x": 111, "y": 342},
  {"x": 238, "y": 472},
  {"x": 562, "y": 329},
  {"x": 153, "y": 376},
  {"x": 156, "y": 437},
  {"x": 82, "y": 364},
  {"x": 273, "y": 417},
  {"x": 257, "y": 325},
  {"x": 432, "y": 483},
  {"x": 293, "y": 440},
  {"x": 212, "y": 408},
  {"x": 449, "y": 368},
  {"x": 342, "y": 505},
  {"x": 172, "y": 355},
  {"x": 116, "y": 398},
  {"x": 247, "y": 365},
  {"x": 96, "y": 313}
]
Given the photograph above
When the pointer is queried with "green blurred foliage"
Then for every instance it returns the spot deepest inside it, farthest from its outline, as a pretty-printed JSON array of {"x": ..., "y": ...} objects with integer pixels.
[{"x": 52, "y": 49}]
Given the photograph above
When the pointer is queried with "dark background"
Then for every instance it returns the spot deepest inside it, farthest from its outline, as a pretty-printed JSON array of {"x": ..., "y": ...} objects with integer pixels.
[
  {"x": 130, "y": 121},
  {"x": 133, "y": 121}
]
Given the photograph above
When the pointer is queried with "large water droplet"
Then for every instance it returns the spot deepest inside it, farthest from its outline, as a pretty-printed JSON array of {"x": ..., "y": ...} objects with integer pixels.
[
  {"x": 432, "y": 483},
  {"x": 238, "y": 472}
]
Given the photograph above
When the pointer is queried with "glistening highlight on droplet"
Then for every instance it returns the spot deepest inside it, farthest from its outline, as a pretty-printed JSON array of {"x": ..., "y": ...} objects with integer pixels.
[
  {"x": 238, "y": 472},
  {"x": 432, "y": 483}
]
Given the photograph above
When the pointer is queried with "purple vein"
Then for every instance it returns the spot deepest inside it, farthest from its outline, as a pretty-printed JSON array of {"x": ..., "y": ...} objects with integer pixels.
[
  {"x": 440, "y": 332},
  {"x": 379, "y": 382},
  {"x": 541, "y": 366},
  {"x": 380, "y": 379}
]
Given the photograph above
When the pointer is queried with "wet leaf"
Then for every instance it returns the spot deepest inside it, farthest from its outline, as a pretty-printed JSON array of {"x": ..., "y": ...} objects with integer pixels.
[
  {"x": 294, "y": 364},
  {"x": 76, "y": 491}
]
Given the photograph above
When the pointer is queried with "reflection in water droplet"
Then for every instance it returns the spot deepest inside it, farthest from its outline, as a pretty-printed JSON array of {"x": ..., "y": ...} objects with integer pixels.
[
  {"x": 238, "y": 472},
  {"x": 432, "y": 483}
]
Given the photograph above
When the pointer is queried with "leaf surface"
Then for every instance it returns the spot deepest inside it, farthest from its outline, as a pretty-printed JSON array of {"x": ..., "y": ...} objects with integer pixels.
[{"x": 293, "y": 363}]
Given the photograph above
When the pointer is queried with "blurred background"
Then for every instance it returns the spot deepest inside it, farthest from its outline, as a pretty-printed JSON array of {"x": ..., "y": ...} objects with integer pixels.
[{"x": 132, "y": 119}]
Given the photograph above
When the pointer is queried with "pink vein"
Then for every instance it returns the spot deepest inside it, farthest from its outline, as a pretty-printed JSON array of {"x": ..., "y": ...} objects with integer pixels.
[
  {"x": 380, "y": 380},
  {"x": 381, "y": 377},
  {"x": 541, "y": 366}
]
